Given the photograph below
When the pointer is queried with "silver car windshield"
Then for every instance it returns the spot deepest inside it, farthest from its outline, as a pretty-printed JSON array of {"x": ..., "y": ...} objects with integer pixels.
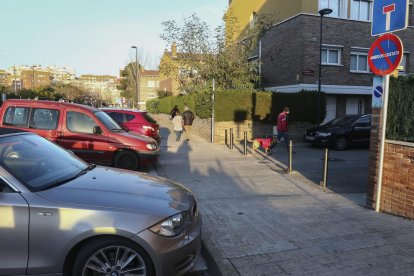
[
  {"x": 38, "y": 163},
  {"x": 108, "y": 121}
]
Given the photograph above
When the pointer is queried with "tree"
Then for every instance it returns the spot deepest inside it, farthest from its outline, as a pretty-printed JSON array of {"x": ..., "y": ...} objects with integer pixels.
[
  {"x": 206, "y": 55},
  {"x": 127, "y": 83}
]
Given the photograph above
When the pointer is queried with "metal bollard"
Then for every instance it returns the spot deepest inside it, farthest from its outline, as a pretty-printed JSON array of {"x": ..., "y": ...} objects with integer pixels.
[
  {"x": 231, "y": 138},
  {"x": 290, "y": 156},
  {"x": 225, "y": 138},
  {"x": 245, "y": 143},
  {"x": 325, "y": 168}
]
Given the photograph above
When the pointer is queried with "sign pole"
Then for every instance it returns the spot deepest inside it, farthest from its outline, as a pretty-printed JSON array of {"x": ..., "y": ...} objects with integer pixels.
[{"x": 382, "y": 142}]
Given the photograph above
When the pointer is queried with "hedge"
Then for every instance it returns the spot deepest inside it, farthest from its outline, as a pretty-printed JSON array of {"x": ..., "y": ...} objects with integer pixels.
[
  {"x": 246, "y": 105},
  {"x": 400, "y": 115}
]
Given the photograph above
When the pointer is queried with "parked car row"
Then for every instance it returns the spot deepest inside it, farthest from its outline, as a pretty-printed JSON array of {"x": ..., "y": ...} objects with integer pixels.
[
  {"x": 342, "y": 132},
  {"x": 87, "y": 131},
  {"x": 62, "y": 216},
  {"x": 135, "y": 120}
]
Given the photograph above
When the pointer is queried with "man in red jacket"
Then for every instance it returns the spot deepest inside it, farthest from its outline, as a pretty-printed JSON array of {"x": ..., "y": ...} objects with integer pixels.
[{"x": 282, "y": 126}]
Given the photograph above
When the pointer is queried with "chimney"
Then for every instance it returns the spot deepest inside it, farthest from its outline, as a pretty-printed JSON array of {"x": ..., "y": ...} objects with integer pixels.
[{"x": 174, "y": 50}]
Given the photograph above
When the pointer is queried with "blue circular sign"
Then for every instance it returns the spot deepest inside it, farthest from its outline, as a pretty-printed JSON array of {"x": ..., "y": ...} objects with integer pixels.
[{"x": 378, "y": 91}]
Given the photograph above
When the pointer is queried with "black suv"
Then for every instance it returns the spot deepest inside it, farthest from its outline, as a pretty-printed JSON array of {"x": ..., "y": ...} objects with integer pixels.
[{"x": 342, "y": 132}]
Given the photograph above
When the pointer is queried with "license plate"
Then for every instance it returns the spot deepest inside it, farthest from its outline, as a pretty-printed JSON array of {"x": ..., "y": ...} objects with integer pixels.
[{"x": 309, "y": 138}]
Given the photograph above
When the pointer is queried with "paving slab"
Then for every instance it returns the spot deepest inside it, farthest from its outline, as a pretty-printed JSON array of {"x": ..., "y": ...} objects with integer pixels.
[{"x": 258, "y": 220}]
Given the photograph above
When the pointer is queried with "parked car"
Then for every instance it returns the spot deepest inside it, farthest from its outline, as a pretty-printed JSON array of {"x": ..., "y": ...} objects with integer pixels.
[
  {"x": 87, "y": 131},
  {"x": 61, "y": 216},
  {"x": 135, "y": 120},
  {"x": 342, "y": 132}
]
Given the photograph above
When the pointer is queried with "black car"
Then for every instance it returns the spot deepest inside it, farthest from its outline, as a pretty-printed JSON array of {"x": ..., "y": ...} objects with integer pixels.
[{"x": 342, "y": 132}]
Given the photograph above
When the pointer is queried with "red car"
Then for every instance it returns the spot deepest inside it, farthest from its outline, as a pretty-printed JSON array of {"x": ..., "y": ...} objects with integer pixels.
[
  {"x": 135, "y": 120},
  {"x": 87, "y": 131}
]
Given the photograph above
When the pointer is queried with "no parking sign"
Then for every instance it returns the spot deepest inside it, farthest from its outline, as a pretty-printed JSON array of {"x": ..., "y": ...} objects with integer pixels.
[{"x": 385, "y": 54}]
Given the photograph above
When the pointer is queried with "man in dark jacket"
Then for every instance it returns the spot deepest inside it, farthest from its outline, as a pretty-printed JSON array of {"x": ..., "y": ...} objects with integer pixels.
[
  {"x": 188, "y": 118},
  {"x": 173, "y": 112}
]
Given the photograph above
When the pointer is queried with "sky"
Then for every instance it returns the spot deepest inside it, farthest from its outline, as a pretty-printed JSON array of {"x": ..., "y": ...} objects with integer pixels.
[{"x": 93, "y": 36}]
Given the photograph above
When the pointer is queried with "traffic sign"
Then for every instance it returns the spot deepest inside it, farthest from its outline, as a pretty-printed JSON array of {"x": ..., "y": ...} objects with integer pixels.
[
  {"x": 385, "y": 54},
  {"x": 389, "y": 16},
  {"x": 377, "y": 91}
]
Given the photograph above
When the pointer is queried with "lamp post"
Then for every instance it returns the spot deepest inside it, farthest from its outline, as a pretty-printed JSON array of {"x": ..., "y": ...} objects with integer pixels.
[
  {"x": 322, "y": 12},
  {"x": 136, "y": 74},
  {"x": 33, "y": 75}
]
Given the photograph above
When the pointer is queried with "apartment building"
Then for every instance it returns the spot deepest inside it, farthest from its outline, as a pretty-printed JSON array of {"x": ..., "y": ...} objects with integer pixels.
[
  {"x": 289, "y": 54},
  {"x": 35, "y": 77},
  {"x": 149, "y": 85},
  {"x": 103, "y": 86},
  {"x": 3, "y": 78}
]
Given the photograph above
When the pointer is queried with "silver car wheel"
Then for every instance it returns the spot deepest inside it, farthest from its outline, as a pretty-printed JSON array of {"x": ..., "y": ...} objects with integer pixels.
[{"x": 115, "y": 261}]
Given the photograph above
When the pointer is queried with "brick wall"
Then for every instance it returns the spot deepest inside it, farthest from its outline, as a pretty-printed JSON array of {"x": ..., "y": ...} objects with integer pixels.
[
  {"x": 202, "y": 127},
  {"x": 397, "y": 193},
  {"x": 256, "y": 130}
]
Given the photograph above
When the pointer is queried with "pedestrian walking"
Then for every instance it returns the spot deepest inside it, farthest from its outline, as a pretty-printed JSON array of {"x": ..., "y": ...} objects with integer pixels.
[
  {"x": 173, "y": 112},
  {"x": 282, "y": 126},
  {"x": 178, "y": 125},
  {"x": 188, "y": 118}
]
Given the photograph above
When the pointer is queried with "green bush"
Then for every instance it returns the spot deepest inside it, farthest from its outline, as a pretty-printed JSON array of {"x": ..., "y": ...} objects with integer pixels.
[
  {"x": 152, "y": 106},
  {"x": 233, "y": 105},
  {"x": 400, "y": 119}
]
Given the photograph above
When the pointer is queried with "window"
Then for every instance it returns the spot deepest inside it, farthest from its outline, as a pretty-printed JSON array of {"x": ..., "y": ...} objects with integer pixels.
[
  {"x": 403, "y": 64},
  {"x": 117, "y": 117},
  {"x": 363, "y": 122},
  {"x": 338, "y": 7},
  {"x": 361, "y": 10},
  {"x": 331, "y": 56},
  {"x": 129, "y": 117},
  {"x": 44, "y": 118},
  {"x": 151, "y": 84},
  {"x": 16, "y": 116},
  {"x": 79, "y": 122},
  {"x": 359, "y": 62},
  {"x": 253, "y": 18}
]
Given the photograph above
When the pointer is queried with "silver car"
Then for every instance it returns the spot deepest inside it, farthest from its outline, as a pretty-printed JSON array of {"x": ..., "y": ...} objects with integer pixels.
[{"x": 61, "y": 216}]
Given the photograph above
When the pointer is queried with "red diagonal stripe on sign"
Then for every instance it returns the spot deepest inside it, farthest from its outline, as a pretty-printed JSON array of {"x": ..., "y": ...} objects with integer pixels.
[{"x": 386, "y": 58}]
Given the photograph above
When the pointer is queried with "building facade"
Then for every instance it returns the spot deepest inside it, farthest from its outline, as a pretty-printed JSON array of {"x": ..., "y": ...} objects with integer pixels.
[
  {"x": 289, "y": 54},
  {"x": 102, "y": 86},
  {"x": 169, "y": 70},
  {"x": 149, "y": 85},
  {"x": 35, "y": 78}
]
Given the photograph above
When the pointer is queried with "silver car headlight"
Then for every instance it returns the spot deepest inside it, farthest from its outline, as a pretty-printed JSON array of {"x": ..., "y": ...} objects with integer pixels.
[
  {"x": 172, "y": 226},
  {"x": 151, "y": 146},
  {"x": 324, "y": 134}
]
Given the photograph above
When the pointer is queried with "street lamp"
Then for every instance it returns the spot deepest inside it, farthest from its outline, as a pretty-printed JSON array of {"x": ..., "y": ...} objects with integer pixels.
[
  {"x": 136, "y": 74},
  {"x": 33, "y": 75},
  {"x": 322, "y": 12}
]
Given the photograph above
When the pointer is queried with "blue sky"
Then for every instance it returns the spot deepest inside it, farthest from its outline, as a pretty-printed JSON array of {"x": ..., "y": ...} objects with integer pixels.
[{"x": 92, "y": 36}]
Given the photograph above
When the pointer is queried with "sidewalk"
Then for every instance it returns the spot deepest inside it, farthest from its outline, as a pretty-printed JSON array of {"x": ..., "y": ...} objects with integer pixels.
[{"x": 259, "y": 221}]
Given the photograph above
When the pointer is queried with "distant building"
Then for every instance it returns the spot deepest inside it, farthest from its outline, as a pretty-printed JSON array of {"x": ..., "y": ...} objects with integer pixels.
[
  {"x": 35, "y": 77},
  {"x": 61, "y": 73},
  {"x": 103, "y": 86},
  {"x": 149, "y": 84},
  {"x": 3, "y": 78},
  {"x": 171, "y": 60}
]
